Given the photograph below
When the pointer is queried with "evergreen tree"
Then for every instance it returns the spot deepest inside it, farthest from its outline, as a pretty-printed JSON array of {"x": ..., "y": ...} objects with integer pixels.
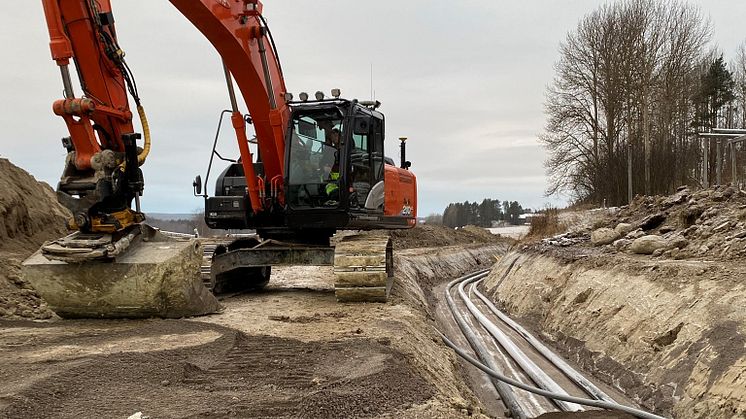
[
  {"x": 514, "y": 212},
  {"x": 478, "y": 214},
  {"x": 716, "y": 90}
]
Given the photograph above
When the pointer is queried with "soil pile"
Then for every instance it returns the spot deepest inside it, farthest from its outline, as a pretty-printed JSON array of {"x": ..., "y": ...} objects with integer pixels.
[
  {"x": 708, "y": 223},
  {"x": 428, "y": 235},
  {"x": 29, "y": 215}
]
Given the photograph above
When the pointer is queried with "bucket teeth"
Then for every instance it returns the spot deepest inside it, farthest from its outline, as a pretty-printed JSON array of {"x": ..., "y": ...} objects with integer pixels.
[{"x": 363, "y": 268}]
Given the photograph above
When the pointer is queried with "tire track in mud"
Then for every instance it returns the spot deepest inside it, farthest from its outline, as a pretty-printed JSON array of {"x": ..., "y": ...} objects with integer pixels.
[{"x": 235, "y": 375}]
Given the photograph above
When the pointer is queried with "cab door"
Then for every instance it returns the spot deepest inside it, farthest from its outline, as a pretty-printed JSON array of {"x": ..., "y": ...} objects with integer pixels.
[{"x": 366, "y": 164}]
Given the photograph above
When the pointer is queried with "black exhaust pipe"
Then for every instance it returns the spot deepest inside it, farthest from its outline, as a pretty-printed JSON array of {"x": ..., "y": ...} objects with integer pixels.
[{"x": 404, "y": 163}]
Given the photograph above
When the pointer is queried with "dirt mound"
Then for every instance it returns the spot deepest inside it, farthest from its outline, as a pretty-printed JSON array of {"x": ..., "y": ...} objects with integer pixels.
[
  {"x": 29, "y": 211},
  {"x": 29, "y": 215},
  {"x": 709, "y": 223},
  {"x": 428, "y": 235}
]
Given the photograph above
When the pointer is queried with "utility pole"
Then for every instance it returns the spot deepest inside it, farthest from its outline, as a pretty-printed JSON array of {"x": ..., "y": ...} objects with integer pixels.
[
  {"x": 705, "y": 162},
  {"x": 629, "y": 171},
  {"x": 646, "y": 133},
  {"x": 719, "y": 162}
]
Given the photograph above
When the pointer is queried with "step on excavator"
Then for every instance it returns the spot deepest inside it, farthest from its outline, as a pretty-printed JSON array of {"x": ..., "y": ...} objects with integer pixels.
[{"x": 318, "y": 168}]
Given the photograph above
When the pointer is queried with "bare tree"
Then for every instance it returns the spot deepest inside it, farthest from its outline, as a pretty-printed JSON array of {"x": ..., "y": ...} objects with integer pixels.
[{"x": 621, "y": 97}]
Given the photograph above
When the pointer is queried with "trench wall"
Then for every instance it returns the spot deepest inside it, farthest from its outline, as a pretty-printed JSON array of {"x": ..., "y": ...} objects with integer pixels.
[
  {"x": 671, "y": 334},
  {"x": 417, "y": 272}
]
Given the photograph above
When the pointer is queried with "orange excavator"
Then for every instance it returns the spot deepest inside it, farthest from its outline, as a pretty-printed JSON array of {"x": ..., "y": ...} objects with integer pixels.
[{"x": 319, "y": 168}]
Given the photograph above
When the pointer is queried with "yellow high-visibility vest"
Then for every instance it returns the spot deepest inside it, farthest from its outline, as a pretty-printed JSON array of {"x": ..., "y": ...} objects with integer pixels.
[{"x": 332, "y": 186}]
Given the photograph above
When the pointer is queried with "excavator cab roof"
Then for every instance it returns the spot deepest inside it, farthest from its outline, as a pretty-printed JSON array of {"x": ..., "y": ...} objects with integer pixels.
[{"x": 343, "y": 104}]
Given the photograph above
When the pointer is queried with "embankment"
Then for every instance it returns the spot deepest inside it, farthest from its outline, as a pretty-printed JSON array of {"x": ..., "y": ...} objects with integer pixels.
[{"x": 670, "y": 333}]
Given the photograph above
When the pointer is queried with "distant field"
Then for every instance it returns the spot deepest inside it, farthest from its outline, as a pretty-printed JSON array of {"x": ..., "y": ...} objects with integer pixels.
[
  {"x": 514, "y": 232},
  {"x": 170, "y": 217}
]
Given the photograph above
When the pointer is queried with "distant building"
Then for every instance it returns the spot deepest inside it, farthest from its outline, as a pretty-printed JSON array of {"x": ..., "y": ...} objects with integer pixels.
[{"x": 526, "y": 218}]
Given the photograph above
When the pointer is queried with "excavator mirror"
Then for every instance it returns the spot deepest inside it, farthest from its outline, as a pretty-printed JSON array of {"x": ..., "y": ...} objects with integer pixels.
[
  {"x": 197, "y": 184},
  {"x": 361, "y": 126}
]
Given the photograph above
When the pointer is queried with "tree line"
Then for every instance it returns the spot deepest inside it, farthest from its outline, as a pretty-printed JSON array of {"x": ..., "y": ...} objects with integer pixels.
[
  {"x": 481, "y": 214},
  {"x": 635, "y": 83}
]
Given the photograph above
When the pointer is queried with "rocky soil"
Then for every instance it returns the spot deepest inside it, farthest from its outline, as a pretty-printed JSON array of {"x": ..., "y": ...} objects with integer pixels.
[
  {"x": 705, "y": 224},
  {"x": 650, "y": 297}
]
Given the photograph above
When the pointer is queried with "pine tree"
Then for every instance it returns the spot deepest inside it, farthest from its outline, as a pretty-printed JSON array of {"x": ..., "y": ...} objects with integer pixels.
[{"x": 716, "y": 90}]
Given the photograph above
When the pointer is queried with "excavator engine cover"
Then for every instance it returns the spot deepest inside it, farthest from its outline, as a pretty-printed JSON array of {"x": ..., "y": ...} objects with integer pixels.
[{"x": 155, "y": 276}]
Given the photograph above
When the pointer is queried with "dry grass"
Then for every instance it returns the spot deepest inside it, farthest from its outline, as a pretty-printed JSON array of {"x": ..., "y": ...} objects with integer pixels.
[{"x": 545, "y": 225}]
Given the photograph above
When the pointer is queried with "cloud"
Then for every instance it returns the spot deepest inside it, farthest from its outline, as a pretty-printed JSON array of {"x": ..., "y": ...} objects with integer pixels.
[{"x": 465, "y": 82}]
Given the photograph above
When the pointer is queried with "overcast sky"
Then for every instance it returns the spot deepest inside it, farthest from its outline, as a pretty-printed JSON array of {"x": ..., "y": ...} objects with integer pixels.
[{"x": 463, "y": 80}]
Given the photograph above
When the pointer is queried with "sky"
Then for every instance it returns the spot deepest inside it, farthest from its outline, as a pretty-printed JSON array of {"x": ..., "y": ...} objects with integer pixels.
[{"x": 464, "y": 81}]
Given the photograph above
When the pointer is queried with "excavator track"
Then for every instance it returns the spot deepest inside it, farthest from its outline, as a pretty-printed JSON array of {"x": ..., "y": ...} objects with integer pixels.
[{"x": 363, "y": 268}]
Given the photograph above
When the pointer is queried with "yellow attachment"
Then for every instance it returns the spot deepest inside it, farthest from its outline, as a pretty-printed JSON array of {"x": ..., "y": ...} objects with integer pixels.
[{"x": 124, "y": 219}]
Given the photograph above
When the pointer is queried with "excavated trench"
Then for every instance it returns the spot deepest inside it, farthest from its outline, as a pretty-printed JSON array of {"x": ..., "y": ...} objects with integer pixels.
[{"x": 669, "y": 333}]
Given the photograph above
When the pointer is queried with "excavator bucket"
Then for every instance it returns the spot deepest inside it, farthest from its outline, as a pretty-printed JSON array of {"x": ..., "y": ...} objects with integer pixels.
[{"x": 143, "y": 274}]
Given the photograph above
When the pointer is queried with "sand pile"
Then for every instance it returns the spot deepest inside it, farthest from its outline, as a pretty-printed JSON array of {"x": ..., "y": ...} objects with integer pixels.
[{"x": 29, "y": 215}]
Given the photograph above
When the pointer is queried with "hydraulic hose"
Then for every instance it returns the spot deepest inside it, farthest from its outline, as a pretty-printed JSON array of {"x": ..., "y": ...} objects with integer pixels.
[{"x": 146, "y": 134}]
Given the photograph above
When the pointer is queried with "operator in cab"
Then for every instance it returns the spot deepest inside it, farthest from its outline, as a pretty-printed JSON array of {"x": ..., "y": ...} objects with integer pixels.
[{"x": 330, "y": 166}]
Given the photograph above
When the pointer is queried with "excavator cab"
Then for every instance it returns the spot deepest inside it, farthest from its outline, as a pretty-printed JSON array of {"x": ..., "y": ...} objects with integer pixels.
[
  {"x": 335, "y": 158},
  {"x": 336, "y": 177}
]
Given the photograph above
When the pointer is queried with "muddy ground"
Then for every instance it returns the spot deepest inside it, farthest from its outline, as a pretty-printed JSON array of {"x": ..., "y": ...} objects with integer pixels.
[{"x": 290, "y": 351}]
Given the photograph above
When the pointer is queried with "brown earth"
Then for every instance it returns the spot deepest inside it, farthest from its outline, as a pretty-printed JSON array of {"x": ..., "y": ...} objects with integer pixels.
[
  {"x": 429, "y": 235},
  {"x": 232, "y": 375},
  {"x": 29, "y": 215},
  {"x": 290, "y": 351}
]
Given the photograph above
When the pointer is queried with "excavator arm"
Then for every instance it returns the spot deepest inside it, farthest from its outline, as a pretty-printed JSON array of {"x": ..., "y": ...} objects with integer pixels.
[
  {"x": 102, "y": 175},
  {"x": 239, "y": 33}
]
